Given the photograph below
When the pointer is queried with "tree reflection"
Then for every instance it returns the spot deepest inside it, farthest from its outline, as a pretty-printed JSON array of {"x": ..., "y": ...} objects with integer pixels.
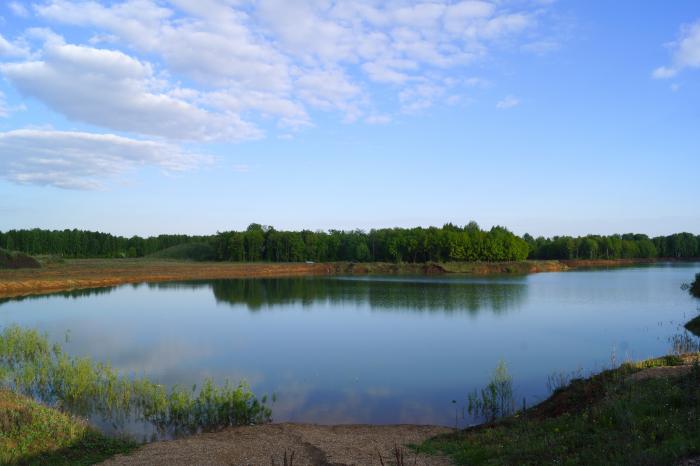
[{"x": 384, "y": 295}]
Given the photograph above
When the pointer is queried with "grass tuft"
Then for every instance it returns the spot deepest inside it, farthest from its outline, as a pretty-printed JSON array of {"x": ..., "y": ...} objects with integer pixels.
[{"x": 31, "y": 433}]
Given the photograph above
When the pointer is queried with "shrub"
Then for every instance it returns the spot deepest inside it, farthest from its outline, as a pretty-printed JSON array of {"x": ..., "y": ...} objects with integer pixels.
[
  {"x": 17, "y": 260},
  {"x": 695, "y": 286},
  {"x": 188, "y": 251},
  {"x": 496, "y": 400}
]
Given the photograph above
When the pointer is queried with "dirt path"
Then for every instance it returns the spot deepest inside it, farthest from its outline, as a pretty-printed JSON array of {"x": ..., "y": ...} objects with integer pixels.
[{"x": 312, "y": 445}]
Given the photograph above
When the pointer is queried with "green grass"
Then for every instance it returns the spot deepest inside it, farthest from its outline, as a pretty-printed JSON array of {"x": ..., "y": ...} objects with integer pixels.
[
  {"x": 606, "y": 419},
  {"x": 188, "y": 251},
  {"x": 30, "y": 365},
  {"x": 17, "y": 260},
  {"x": 33, "y": 434}
]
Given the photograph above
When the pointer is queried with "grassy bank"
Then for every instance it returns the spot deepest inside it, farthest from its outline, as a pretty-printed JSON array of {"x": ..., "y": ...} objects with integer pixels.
[
  {"x": 33, "y": 434},
  {"x": 640, "y": 413},
  {"x": 94, "y": 273}
]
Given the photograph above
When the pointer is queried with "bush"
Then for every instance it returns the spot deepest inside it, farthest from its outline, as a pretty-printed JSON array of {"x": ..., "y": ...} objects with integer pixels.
[
  {"x": 17, "y": 260},
  {"x": 496, "y": 400},
  {"x": 188, "y": 251},
  {"x": 695, "y": 286}
]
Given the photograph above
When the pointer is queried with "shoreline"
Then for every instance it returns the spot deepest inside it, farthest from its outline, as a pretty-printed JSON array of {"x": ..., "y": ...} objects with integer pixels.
[
  {"x": 563, "y": 416},
  {"x": 75, "y": 274}
]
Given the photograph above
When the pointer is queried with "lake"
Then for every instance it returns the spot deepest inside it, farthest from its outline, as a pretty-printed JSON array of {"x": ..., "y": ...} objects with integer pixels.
[{"x": 371, "y": 349}]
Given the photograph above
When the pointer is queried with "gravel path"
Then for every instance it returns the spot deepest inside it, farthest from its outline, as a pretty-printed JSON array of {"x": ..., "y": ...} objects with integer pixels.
[{"x": 311, "y": 444}]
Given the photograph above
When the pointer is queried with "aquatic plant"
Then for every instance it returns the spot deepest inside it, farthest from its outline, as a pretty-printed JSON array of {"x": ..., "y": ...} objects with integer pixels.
[
  {"x": 31, "y": 366},
  {"x": 496, "y": 400},
  {"x": 558, "y": 380}
]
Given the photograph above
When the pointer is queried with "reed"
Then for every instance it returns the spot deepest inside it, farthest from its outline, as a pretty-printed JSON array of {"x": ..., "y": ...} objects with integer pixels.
[{"x": 30, "y": 365}]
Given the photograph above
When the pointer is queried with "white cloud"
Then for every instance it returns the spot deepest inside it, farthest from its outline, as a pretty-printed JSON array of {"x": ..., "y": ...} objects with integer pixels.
[
  {"x": 10, "y": 49},
  {"x": 477, "y": 82},
  {"x": 330, "y": 89},
  {"x": 212, "y": 44},
  {"x": 77, "y": 160},
  {"x": 663, "y": 72},
  {"x": 4, "y": 111},
  {"x": 508, "y": 102},
  {"x": 272, "y": 49},
  {"x": 378, "y": 119},
  {"x": 111, "y": 89},
  {"x": 685, "y": 52},
  {"x": 541, "y": 47},
  {"x": 241, "y": 168},
  {"x": 18, "y": 9},
  {"x": 237, "y": 100}
]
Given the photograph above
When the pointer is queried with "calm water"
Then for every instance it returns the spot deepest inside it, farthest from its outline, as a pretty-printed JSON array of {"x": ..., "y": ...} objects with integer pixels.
[{"x": 371, "y": 349}]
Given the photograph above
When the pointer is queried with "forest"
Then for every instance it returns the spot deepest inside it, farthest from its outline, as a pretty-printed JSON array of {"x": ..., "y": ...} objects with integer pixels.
[{"x": 260, "y": 243}]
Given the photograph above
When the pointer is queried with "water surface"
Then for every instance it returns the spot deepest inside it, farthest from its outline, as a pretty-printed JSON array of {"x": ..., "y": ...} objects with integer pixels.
[{"x": 371, "y": 349}]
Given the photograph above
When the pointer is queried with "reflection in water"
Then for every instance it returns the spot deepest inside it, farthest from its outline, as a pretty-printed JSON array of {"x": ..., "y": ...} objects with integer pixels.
[
  {"x": 385, "y": 294},
  {"x": 370, "y": 349},
  {"x": 75, "y": 294}
]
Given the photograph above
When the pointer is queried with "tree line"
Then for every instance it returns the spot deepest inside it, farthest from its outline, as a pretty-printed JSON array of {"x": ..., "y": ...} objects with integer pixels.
[
  {"x": 449, "y": 243},
  {"x": 88, "y": 244},
  {"x": 627, "y": 246},
  {"x": 258, "y": 243}
]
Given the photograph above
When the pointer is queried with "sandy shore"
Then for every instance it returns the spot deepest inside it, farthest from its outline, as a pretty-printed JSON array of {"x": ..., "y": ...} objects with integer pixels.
[{"x": 311, "y": 444}]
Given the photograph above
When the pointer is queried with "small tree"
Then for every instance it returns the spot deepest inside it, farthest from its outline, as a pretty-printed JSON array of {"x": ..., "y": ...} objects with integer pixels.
[{"x": 496, "y": 400}]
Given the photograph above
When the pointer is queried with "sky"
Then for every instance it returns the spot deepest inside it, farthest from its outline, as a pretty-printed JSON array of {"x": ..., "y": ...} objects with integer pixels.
[{"x": 196, "y": 116}]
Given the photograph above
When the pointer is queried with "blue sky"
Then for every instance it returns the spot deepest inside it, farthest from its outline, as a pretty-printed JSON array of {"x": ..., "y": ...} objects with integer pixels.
[{"x": 549, "y": 117}]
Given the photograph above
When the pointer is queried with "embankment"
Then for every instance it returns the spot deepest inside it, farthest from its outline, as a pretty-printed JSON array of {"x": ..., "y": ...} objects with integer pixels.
[{"x": 95, "y": 273}]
